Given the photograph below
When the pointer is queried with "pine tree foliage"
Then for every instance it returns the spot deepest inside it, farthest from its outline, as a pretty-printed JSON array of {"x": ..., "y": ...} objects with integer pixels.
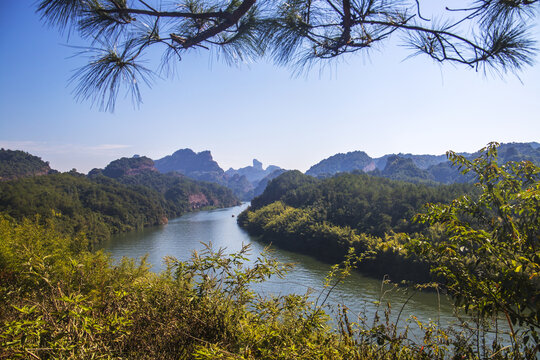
[{"x": 483, "y": 34}]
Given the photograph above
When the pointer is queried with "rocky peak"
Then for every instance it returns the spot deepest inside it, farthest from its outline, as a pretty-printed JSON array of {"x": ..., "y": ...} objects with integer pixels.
[
  {"x": 257, "y": 165},
  {"x": 187, "y": 162}
]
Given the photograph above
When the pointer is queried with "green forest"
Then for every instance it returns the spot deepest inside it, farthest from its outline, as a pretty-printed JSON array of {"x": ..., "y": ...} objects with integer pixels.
[
  {"x": 326, "y": 217},
  {"x": 109, "y": 201},
  {"x": 17, "y": 164}
]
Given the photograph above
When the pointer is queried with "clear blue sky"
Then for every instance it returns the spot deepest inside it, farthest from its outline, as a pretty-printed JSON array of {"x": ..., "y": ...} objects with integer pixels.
[{"x": 379, "y": 103}]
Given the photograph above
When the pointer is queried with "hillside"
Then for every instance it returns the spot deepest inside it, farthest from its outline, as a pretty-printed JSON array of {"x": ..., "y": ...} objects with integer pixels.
[
  {"x": 16, "y": 164},
  {"x": 180, "y": 193},
  {"x": 98, "y": 208},
  {"x": 355, "y": 160}
]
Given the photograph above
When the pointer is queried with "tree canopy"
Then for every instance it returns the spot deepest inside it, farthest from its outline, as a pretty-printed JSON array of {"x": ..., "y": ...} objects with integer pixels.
[{"x": 482, "y": 34}]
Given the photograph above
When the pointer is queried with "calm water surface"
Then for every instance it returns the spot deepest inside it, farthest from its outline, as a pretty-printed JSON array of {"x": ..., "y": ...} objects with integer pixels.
[{"x": 183, "y": 235}]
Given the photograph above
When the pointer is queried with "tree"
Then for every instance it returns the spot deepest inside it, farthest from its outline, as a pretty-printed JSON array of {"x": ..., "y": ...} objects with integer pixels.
[
  {"x": 482, "y": 34},
  {"x": 490, "y": 257}
]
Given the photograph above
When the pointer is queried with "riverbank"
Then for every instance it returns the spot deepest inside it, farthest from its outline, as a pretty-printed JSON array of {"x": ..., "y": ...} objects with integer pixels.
[{"x": 296, "y": 230}]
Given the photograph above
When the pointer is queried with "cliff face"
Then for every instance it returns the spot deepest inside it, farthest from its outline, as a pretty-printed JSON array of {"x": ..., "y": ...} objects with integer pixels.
[
  {"x": 200, "y": 166},
  {"x": 199, "y": 200}
]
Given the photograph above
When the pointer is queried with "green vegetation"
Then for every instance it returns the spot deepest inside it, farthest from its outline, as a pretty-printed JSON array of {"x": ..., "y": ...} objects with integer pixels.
[
  {"x": 59, "y": 301},
  {"x": 100, "y": 206},
  {"x": 16, "y": 164},
  {"x": 97, "y": 208},
  {"x": 490, "y": 255},
  {"x": 482, "y": 246},
  {"x": 326, "y": 217}
]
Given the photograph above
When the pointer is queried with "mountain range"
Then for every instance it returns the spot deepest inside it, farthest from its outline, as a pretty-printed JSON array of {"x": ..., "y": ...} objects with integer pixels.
[
  {"x": 201, "y": 166},
  {"x": 250, "y": 181},
  {"x": 416, "y": 168}
]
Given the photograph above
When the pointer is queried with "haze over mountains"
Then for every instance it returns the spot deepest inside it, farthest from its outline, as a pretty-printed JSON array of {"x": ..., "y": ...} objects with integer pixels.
[
  {"x": 250, "y": 181},
  {"x": 416, "y": 168},
  {"x": 201, "y": 166}
]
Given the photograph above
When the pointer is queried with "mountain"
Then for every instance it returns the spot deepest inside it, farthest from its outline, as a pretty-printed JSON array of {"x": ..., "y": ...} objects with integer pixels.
[
  {"x": 404, "y": 169},
  {"x": 355, "y": 160},
  {"x": 198, "y": 166},
  {"x": 520, "y": 151},
  {"x": 421, "y": 161},
  {"x": 181, "y": 194},
  {"x": 417, "y": 168},
  {"x": 126, "y": 167},
  {"x": 254, "y": 173},
  {"x": 15, "y": 164},
  {"x": 201, "y": 166}
]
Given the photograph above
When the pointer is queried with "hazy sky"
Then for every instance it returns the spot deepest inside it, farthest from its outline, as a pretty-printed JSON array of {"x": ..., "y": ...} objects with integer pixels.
[{"x": 379, "y": 103}]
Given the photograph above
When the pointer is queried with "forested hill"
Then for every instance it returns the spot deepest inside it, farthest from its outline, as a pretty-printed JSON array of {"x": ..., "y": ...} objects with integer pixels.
[
  {"x": 128, "y": 194},
  {"x": 366, "y": 203},
  {"x": 16, "y": 164},
  {"x": 326, "y": 217},
  {"x": 97, "y": 208},
  {"x": 351, "y": 161},
  {"x": 181, "y": 193}
]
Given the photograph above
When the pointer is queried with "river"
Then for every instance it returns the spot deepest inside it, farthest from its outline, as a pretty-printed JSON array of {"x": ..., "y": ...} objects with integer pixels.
[{"x": 359, "y": 293}]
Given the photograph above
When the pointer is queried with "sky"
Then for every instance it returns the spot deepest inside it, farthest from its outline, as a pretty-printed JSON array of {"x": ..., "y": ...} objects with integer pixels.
[{"x": 379, "y": 103}]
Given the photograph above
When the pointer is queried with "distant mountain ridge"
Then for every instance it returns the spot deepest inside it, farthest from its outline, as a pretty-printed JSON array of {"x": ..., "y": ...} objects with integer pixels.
[
  {"x": 416, "y": 168},
  {"x": 201, "y": 166},
  {"x": 250, "y": 181},
  {"x": 254, "y": 173}
]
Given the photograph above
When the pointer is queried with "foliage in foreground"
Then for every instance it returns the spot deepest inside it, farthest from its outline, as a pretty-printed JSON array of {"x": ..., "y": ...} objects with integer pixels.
[
  {"x": 490, "y": 255},
  {"x": 59, "y": 301}
]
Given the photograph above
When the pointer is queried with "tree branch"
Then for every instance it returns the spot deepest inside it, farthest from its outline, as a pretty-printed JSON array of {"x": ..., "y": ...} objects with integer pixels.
[{"x": 231, "y": 20}]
